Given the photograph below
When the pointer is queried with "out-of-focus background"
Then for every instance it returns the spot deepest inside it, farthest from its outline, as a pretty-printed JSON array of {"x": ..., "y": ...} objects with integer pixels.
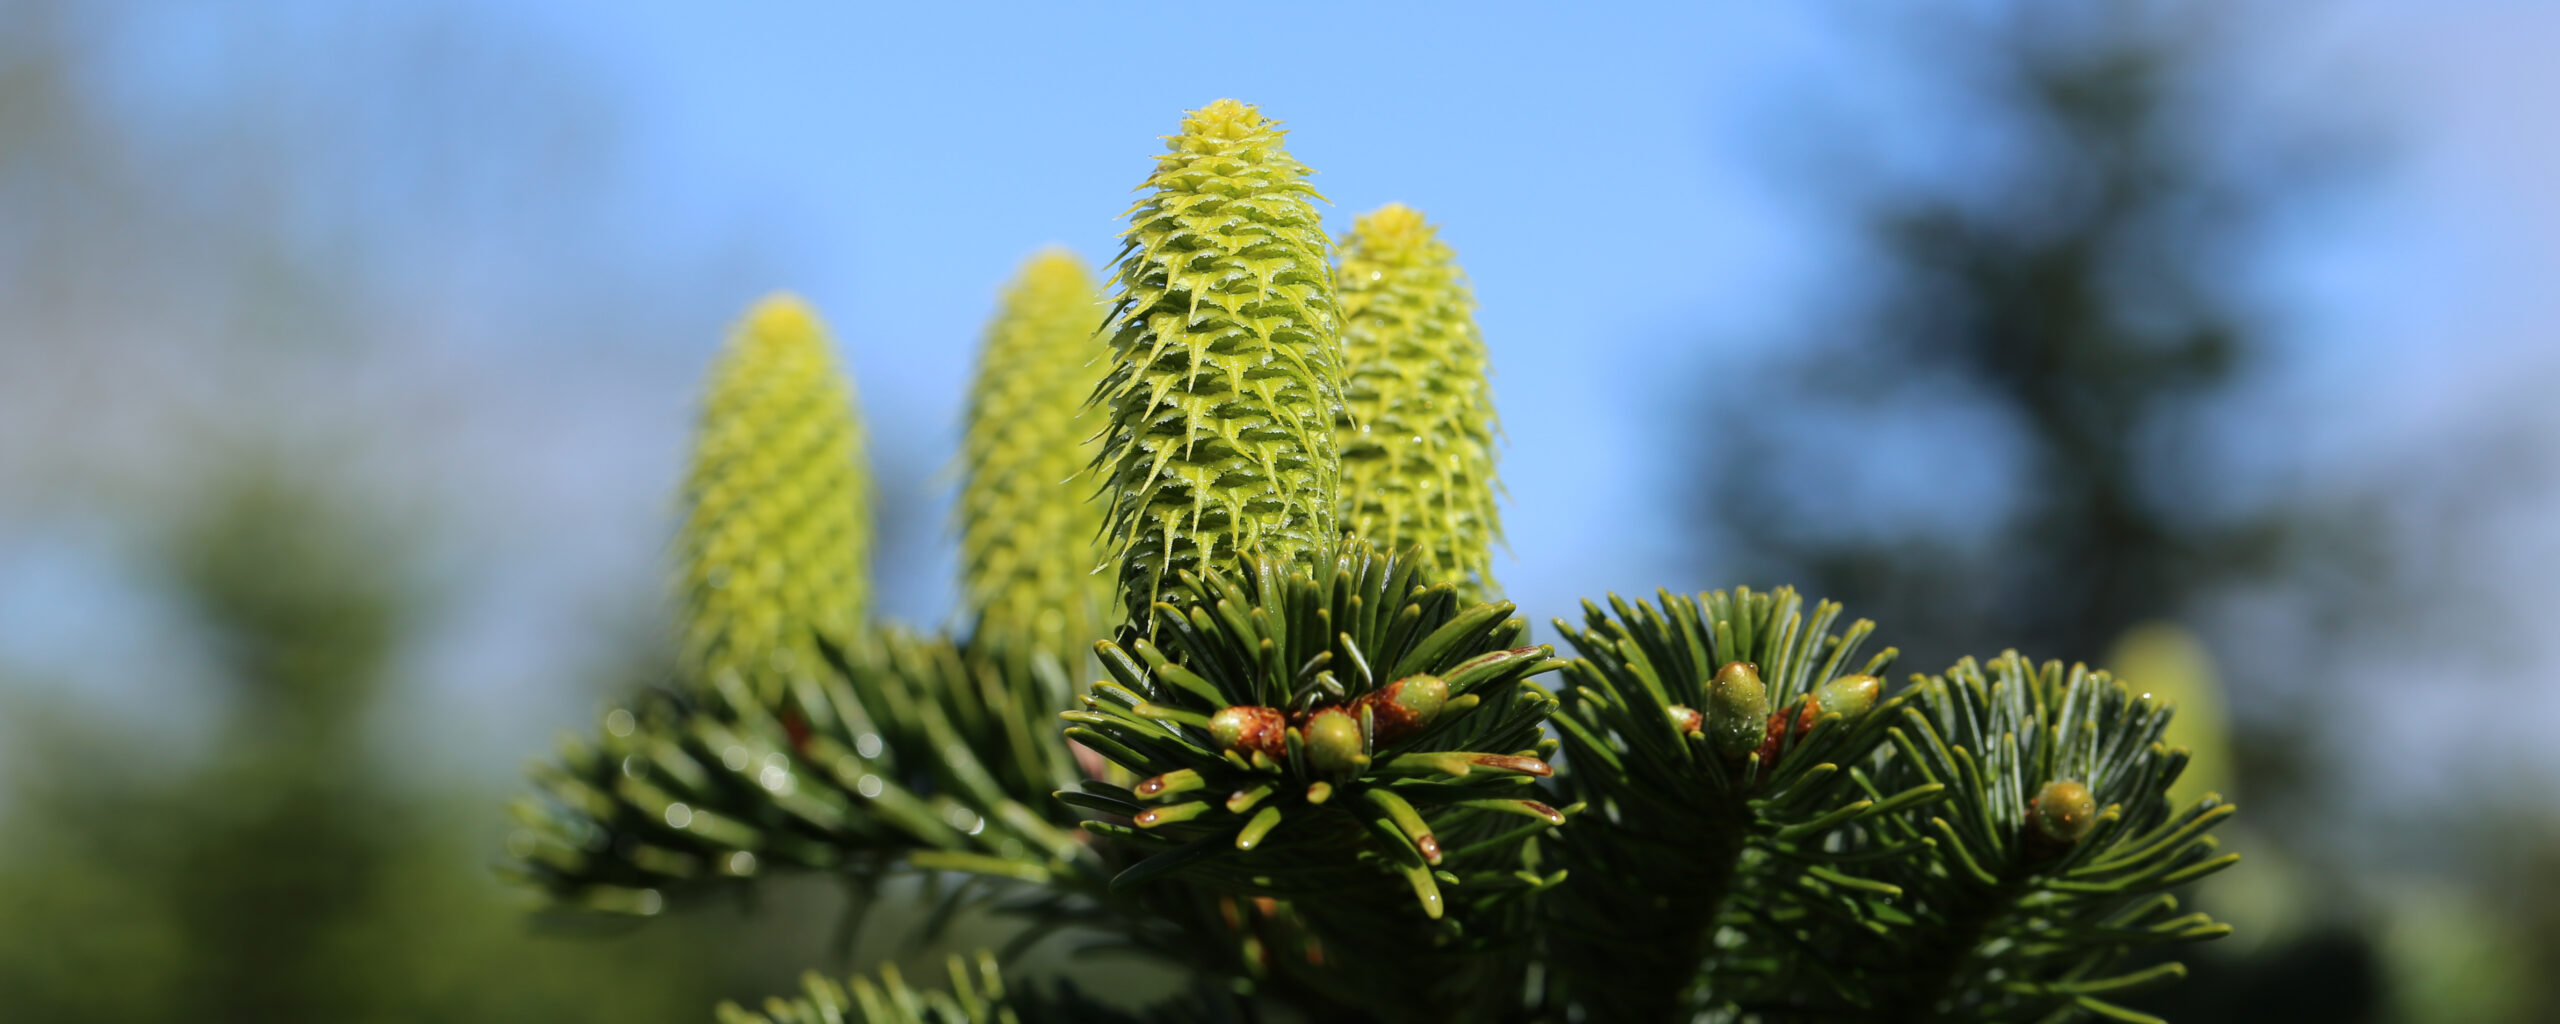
[{"x": 347, "y": 353}]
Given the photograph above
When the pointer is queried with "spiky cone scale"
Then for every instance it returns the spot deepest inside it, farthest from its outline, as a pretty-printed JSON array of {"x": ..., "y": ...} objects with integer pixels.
[
  {"x": 775, "y": 546},
  {"x": 1663, "y": 721},
  {"x": 1225, "y": 377},
  {"x": 1418, "y": 441},
  {"x": 2054, "y": 860},
  {"x": 1029, "y": 527},
  {"x": 1365, "y": 838}
]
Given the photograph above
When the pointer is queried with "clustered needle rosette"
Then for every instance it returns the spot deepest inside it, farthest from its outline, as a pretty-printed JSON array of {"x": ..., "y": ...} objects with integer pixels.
[
  {"x": 914, "y": 751},
  {"x": 2053, "y": 855},
  {"x": 1723, "y": 741},
  {"x": 1305, "y": 733},
  {"x": 978, "y": 994}
]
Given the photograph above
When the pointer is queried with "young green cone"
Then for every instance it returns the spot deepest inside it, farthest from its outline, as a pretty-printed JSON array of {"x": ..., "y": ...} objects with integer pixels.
[
  {"x": 1028, "y": 528},
  {"x": 1417, "y": 447},
  {"x": 775, "y": 548},
  {"x": 1226, "y": 370}
]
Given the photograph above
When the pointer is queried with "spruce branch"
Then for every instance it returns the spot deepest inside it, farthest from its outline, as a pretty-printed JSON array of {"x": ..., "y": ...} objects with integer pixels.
[
  {"x": 775, "y": 546},
  {"x": 1352, "y": 746},
  {"x": 1316, "y": 771},
  {"x": 1226, "y": 369},
  {"x": 1418, "y": 438},
  {"x": 2053, "y": 855},
  {"x": 1028, "y": 531},
  {"x": 978, "y": 994},
  {"x": 1720, "y": 742},
  {"x": 917, "y": 753}
]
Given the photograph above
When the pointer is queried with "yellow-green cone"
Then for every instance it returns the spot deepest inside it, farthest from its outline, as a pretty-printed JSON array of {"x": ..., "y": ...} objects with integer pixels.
[
  {"x": 776, "y": 543},
  {"x": 1226, "y": 367},
  {"x": 1029, "y": 527},
  {"x": 1417, "y": 448}
]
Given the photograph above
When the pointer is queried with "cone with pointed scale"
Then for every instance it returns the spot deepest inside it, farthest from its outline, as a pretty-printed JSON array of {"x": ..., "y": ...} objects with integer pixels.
[
  {"x": 1028, "y": 529},
  {"x": 1418, "y": 443},
  {"x": 1225, "y": 372},
  {"x": 775, "y": 549}
]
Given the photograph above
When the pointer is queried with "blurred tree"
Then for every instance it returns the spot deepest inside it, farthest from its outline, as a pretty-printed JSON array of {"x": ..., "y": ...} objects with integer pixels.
[
  {"x": 2051, "y": 319},
  {"x": 287, "y": 878},
  {"x": 2031, "y": 383},
  {"x": 292, "y": 872}
]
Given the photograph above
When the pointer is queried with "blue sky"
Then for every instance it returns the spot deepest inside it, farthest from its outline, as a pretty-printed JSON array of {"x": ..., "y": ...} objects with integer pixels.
[{"x": 552, "y": 211}]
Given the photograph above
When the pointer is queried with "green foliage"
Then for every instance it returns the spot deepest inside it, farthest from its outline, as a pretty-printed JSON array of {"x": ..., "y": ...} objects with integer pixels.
[
  {"x": 1418, "y": 818},
  {"x": 775, "y": 550},
  {"x": 2169, "y": 663},
  {"x": 1417, "y": 446},
  {"x": 977, "y": 996},
  {"x": 920, "y": 753},
  {"x": 1933, "y": 857},
  {"x": 279, "y": 873},
  {"x": 1028, "y": 535},
  {"x": 1226, "y": 369},
  {"x": 1318, "y": 772},
  {"x": 2012, "y": 919},
  {"x": 1678, "y": 825}
]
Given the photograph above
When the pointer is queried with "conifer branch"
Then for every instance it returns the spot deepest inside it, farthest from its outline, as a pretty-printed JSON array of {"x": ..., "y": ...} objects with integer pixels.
[
  {"x": 2055, "y": 850},
  {"x": 1710, "y": 737},
  {"x": 978, "y": 994},
  {"x": 919, "y": 754},
  {"x": 1317, "y": 771},
  {"x": 1354, "y": 748}
]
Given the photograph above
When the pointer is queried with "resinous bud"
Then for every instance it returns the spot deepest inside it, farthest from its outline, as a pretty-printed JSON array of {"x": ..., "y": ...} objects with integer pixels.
[
  {"x": 2065, "y": 811},
  {"x": 1247, "y": 727},
  {"x": 1737, "y": 709},
  {"x": 1687, "y": 719},
  {"x": 1333, "y": 741},
  {"x": 1405, "y": 707},
  {"x": 1848, "y": 696}
]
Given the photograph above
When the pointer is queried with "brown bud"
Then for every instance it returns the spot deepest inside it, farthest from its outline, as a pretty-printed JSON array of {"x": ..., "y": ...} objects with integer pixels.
[
  {"x": 1775, "y": 734},
  {"x": 1404, "y": 707},
  {"x": 1687, "y": 719},
  {"x": 1248, "y": 727}
]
